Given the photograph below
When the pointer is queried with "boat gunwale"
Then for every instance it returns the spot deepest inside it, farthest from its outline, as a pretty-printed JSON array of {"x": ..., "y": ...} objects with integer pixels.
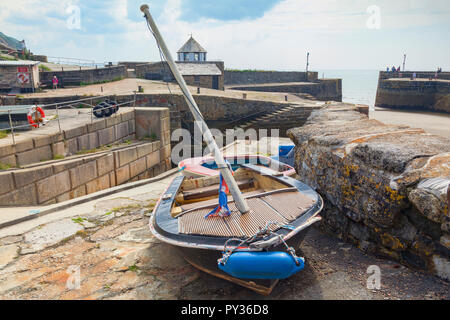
[{"x": 194, "y": 165}]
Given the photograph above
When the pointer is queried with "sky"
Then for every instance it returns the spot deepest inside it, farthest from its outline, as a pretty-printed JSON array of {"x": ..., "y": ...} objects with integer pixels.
[{"x": 246, "y": 34}]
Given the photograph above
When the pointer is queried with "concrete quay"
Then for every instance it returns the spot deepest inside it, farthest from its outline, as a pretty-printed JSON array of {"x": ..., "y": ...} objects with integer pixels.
[{"x": 108, "y": 241}]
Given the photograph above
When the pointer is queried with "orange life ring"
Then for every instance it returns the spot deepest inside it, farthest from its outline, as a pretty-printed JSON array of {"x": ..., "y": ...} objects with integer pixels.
[{"x": 30, "y": 116}]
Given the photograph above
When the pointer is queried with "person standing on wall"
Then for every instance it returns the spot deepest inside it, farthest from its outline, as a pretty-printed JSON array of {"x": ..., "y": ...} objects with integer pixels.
[{"x": 55, "y": 82}]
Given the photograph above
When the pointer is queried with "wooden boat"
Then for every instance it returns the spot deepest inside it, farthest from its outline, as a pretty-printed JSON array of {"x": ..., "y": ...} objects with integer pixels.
[
  {"x": 178, "y": 218},
  {"x": 206, "y": 166},
  {"x": 249, "y": 237}
]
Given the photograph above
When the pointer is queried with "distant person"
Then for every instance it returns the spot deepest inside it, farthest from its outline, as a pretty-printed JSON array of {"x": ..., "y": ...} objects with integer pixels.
[
  {"x": 414, "y": 76},
  {"x": 393, "y": 69},
  {"x": 398, "y": 69},
  {"x": 55, "y": 82},
  {"x": 387, "y": 69},
  {"x": 439, "y": 70}
]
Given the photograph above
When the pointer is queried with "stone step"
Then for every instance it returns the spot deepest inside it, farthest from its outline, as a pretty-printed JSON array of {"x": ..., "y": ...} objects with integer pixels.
[{"x": 265, "y": 119}]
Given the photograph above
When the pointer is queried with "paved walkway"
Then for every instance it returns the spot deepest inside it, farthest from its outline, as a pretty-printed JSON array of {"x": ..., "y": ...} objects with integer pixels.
[
  {"x": 103, "y": 249},
  {"x": 432, "y": 122},
  {"x": 130, "y": 85}
]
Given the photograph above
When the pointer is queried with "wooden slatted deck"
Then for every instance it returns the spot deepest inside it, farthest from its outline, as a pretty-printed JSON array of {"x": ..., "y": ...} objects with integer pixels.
[{"x": 281, "y": 207}]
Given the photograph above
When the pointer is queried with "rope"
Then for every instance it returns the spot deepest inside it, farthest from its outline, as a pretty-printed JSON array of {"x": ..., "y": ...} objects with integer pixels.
[
  {"x": 262, "y": 232},
  {"x": 163, "y": 59}
]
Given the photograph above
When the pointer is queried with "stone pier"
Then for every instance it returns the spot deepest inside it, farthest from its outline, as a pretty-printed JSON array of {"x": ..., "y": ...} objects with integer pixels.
[
  {"x": 384, "y": 186},
  {"x": 425, "y": 93}
]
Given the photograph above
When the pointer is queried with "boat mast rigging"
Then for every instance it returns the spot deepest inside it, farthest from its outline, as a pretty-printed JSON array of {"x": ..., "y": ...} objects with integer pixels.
[{"x": 224, "y": 169}]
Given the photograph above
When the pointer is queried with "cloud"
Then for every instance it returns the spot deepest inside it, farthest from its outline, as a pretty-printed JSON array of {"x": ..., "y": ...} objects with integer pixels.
[{"x": 270, "y": 35}]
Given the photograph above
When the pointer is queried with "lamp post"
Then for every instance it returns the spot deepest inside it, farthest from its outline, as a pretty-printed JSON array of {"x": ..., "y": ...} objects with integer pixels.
[{"x": 307, "y": 62}]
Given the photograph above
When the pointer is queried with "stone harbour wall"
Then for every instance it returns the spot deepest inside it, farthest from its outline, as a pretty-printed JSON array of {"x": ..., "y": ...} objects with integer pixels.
[
  {"x": 65, "y": 180},
  {"x": 70, "y": 141},
  {"x": 218, "y": 111},
  {"x": 258, "y": 77},
  {"x": 295, "y": 115},
  {"x": 61, "y": 180},
  {"x": 323, "y": 89},
  {"x": 131, "y": 64},
  {"x": 420, "y": 94},
  {"x": 213, "y": 108},
  {"x": 419, "y": 74},
  {"x": 85, "y": 76},
  {"x": 384, "y": 186}
]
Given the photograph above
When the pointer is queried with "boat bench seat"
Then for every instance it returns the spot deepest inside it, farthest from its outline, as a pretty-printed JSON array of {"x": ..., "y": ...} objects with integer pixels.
[
  {"x": 190, "y": 206},
  {"x": 211, "y": 191}
]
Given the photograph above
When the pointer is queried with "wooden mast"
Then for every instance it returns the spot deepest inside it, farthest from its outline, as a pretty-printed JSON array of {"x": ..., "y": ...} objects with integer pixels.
[{"x": 224, "y": 170}]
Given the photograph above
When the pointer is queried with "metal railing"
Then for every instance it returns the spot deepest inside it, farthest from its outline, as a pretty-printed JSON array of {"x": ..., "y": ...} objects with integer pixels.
[
  {"x": 74, "y": 104},
  {"x": 71, "y": 61},
  {"x": 80, "y": 62}
]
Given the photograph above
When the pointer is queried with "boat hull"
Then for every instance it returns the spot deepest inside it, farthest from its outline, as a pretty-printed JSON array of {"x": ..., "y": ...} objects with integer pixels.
[
  {"x": 165, "y": 227},
  {"x": 206, "y": 261},
  {"x": 204, "y": 251}
]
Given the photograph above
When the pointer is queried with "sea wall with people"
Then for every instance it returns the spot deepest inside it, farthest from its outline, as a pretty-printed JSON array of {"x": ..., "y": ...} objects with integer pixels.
[
  {"x": 384, "y": 186},
  {"x": 427, "y": 91},
  {"x": 419, "y": 74}
]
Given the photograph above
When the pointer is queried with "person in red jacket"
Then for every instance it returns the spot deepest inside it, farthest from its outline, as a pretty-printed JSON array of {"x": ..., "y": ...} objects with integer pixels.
[{"x": 55, "y": 82}]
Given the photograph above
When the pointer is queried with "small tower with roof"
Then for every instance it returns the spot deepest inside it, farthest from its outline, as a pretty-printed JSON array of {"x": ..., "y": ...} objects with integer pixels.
[{"x": 192, "y": 51}]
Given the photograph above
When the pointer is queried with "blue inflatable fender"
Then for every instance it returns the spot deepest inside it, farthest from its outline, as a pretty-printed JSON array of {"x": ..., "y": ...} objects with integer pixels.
[{"x": 262, "y": 265}]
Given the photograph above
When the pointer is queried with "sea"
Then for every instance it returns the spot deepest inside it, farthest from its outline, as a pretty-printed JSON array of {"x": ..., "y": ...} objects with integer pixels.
[{"x": 358, "y": 86}]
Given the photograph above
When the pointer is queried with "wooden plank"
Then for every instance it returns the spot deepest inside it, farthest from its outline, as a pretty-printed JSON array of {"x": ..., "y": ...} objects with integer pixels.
[{"x": 212, "y": 190}]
